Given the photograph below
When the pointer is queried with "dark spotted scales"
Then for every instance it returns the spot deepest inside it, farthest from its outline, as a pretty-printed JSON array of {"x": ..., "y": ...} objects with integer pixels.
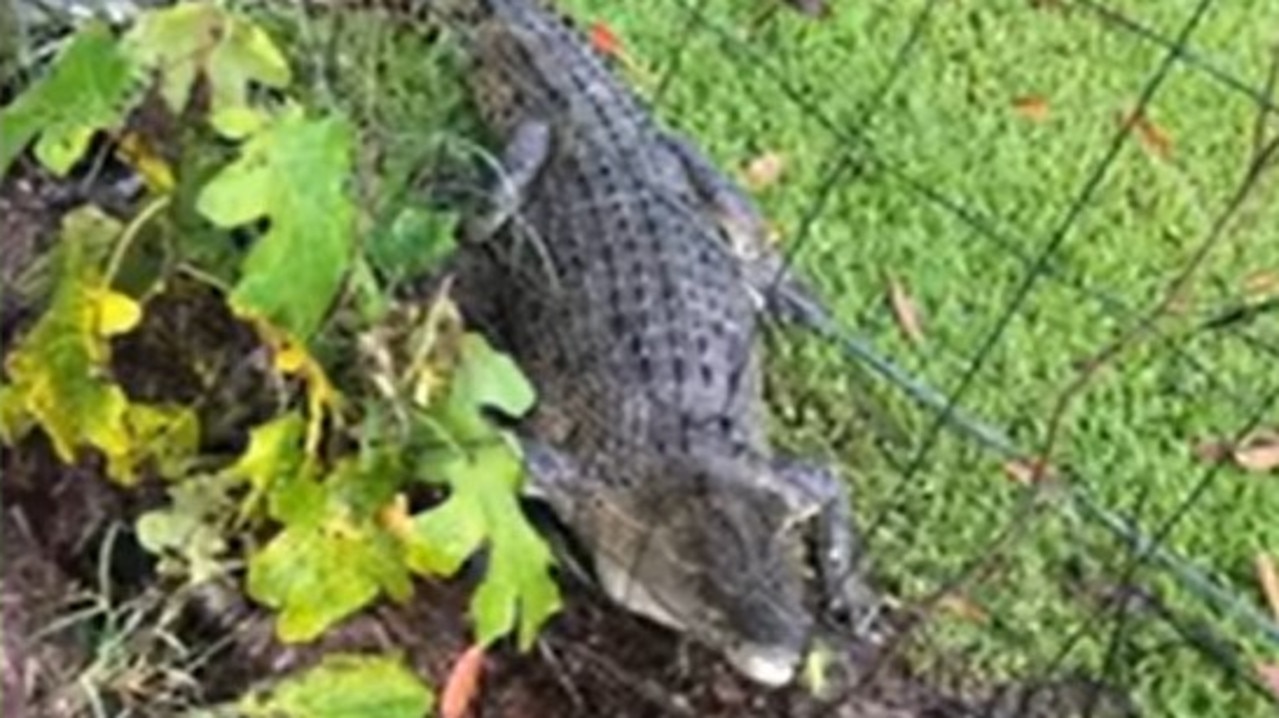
[{"x": 627, "y": 277}]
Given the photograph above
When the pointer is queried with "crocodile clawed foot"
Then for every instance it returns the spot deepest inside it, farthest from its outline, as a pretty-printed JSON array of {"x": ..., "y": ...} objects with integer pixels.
[{"x": 846, "y": 599}]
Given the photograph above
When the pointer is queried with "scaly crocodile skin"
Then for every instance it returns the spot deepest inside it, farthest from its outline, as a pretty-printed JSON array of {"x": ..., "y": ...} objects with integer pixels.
[{"x": 627, "y": 277}]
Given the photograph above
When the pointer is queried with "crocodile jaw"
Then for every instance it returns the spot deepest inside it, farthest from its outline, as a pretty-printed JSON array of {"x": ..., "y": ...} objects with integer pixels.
[
  {"x": 771, "y": 666},
  {"x": 768, "y": 665},
  {"x": 621, "y": 586}
]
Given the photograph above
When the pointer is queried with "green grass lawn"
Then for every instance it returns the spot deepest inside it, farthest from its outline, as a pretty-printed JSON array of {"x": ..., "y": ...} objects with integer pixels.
[
  {"x": 935, "y": 129},
  {"x": 947, "y": 123}
]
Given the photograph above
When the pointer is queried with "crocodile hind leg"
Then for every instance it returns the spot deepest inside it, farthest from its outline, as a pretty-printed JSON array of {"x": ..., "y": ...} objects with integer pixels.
[
  {"x": 836, "y": 542},
  {"x": 784, "y": 295}
]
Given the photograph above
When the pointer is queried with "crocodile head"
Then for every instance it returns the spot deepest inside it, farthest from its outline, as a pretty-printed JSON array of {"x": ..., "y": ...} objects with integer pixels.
[{"x": 715, "y": 547}]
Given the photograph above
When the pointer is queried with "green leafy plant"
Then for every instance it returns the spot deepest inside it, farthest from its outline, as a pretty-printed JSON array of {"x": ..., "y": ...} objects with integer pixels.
[{"x": 321, "y": 495}]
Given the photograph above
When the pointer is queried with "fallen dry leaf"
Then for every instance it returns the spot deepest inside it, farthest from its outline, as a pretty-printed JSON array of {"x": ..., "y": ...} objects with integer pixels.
[
  {"x": 1028, "y": 471},
  {"x": 463, "y": 683},
  {"x": 605, "y": 40},
  {"x": 1270, "y": 676},
  {"x": 608, "y": 43},
  {"x": 1260, "y": 453},
  {"x": 1210, "y": 450},
  {"x": 1152, "y": 136},
  {"x": 1181, "y": 302},
  {"x": 765, "y": 170},
  {"x": 1261, "y": 284},
  {"x": 1268, "y": 577},
  {"x": 963, "y": 607},
  {"x": 1032, "y": 107},
  {"x": 811, "y": 8},
  {"x": 905, "y": 311}
]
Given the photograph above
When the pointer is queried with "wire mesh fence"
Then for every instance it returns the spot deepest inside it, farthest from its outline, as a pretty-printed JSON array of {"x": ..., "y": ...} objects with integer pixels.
[{"x": 1077, "y": 195}]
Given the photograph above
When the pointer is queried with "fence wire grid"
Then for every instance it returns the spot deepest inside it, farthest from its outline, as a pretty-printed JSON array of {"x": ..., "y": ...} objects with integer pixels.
[{"x": 1077, "y": 198}]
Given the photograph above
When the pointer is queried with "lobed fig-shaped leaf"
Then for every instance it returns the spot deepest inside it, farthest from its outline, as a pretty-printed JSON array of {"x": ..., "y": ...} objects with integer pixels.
[
  {"x": 345, "y": 685},
  {"x": 90, "y": 87},
  {"x": 293, "y": 174}
]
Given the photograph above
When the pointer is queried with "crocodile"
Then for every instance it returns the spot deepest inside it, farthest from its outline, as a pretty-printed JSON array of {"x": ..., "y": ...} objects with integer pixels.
[{"x": 629, "y": 279}]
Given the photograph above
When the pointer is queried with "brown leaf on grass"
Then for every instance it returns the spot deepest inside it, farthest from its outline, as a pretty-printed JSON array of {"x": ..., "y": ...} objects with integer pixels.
[
  {"x": 1268, "y": 577},
  {"x": 1269, "y": 676},
  {"x": 1210, "y": 450},
  {"x": 765, "y": 170},
  {"x": 1028, "y": 471},
  {"x": 1032, "y": 107},
  {"x": 1259, "y": 453},
  {"x": 1181, "y": 302},
  {"x": 1152, "y": 136},
  {"x": 905, "y": 311},
  {"x": 463, "y": 683},
  {"x": 1261, "y": 284},
  {"x": 963, "y": 607},
  {"x": 604, "y": 40},
  {"x": 811, "y": 8}
]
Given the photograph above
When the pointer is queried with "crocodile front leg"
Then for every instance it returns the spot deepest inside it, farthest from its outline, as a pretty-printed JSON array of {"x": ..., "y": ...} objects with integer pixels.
[
  {"x": 837, "y": 544},
  {"x": 783, "y": 294},
  {"x": 521, "y": 161},
  {"x": 551, "y": 477}
]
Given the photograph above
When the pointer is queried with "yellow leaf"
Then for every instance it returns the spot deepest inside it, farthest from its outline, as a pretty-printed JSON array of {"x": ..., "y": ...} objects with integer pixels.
[
  {"x": 271, "y": 454},
  {"x": 14, "y": 422},
  {"x": 816, "y": 669},
  {"x": 292, "y": 358},
  {"x": 395, "y": 517},
  {"x": 59, "y": 371},
  {"x": 114, "y": 313},
  {"x": 139, "y": 154},
  {"x": 765, "y": 170}
]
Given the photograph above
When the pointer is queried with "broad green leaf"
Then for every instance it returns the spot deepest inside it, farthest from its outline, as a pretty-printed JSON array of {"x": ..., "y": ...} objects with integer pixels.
[
  {"x": 294, "y": 174},
  {"x": 442, "y": 539},
  {"x": 316, "y": 575},
  {"x": 332, "y": 557},
  {"x": 483, "y": 505},
  {"x": 369, "y": 480},
  {"x": 194, "y": 38},
  {"x": 416, "y": 240},
  {"x": 483, "y": 379},
  {"x": 274, "y": 452},
  {"x": 346, "y": 686},
  {"x": 90, "y": 87},
  {"x": 58, "y": 372},
  {"x": 489, "y": 378}
]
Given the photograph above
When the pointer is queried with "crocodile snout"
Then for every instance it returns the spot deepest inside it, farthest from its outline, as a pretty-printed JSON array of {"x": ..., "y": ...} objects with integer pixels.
[{"x": 770, "y": 665}]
